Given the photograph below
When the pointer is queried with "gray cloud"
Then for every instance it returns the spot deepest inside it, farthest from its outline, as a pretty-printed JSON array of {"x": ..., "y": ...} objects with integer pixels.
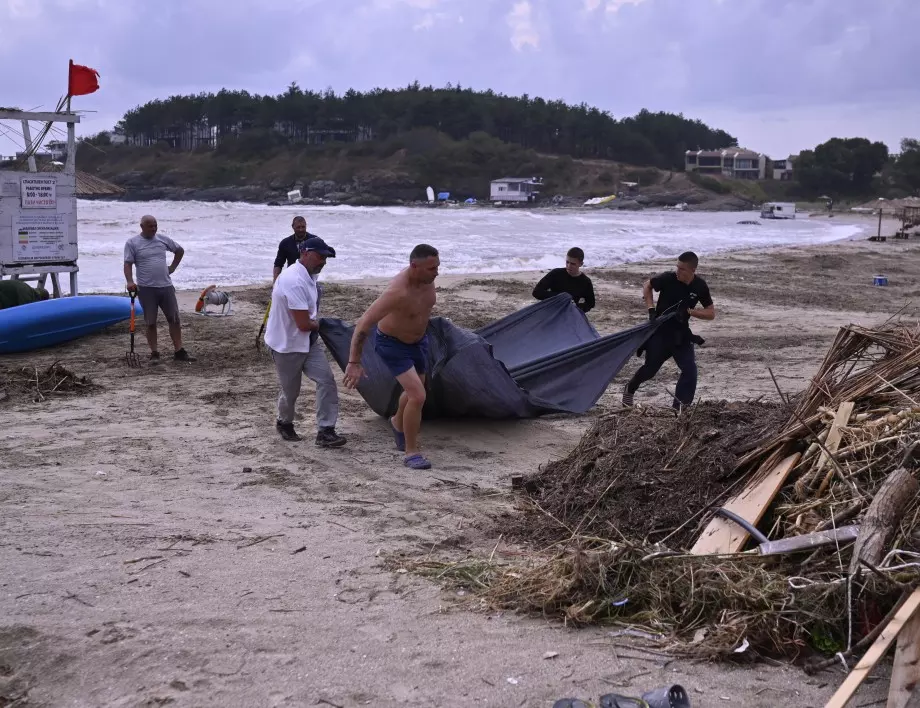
[{"x": 780, "y": 74}]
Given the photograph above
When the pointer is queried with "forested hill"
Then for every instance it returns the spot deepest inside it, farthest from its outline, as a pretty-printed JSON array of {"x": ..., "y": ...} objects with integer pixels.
[{"x": 300, "y": 117}]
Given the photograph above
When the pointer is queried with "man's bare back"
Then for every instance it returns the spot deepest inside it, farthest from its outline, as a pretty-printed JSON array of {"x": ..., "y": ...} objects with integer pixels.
[{"x": 410, "y": 306}]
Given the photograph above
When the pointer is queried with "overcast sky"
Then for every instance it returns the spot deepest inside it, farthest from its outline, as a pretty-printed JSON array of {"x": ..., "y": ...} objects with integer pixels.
[{"x": 781, "y": 75}]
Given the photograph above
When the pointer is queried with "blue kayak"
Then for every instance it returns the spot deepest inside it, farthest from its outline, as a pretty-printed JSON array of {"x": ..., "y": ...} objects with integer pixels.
[{"x": 44, "y": 324}]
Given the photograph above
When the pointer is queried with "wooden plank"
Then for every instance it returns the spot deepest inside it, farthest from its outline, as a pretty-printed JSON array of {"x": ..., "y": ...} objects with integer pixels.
[
  {"x": 875, "y": 652},
  {"x": 724, "y": 536},
  {"x": 833, "y": 437},
  {"x": 807, "y": 541},
  {"x": 832, "y": 444},
  {"x": 905, "y": 673},
  {"x": 40, "y": 117}
]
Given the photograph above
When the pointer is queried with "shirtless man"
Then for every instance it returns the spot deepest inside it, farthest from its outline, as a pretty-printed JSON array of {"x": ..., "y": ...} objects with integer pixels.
[{"x": 401, "y": 314}]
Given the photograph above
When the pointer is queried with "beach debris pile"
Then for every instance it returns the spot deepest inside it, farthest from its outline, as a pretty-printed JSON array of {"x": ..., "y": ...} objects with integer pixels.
[
  {"x": 642, "y": 473},
  {"x": 37, "y": 385},
  {"x": 808, "y": 544}
]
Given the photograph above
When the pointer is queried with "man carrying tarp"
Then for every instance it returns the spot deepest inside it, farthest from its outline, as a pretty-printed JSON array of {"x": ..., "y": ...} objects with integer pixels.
[
  {"x": 568, "y": 280},
  {"x": 401, "y": 314},
  {"x": 679, "y": 291},
  {"x": 292, "y": 335},
  {"x": 16, "y": 292}
]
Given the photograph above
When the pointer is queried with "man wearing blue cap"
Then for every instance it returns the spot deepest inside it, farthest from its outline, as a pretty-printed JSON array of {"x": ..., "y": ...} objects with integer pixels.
[{"x": 292, "y": 334}]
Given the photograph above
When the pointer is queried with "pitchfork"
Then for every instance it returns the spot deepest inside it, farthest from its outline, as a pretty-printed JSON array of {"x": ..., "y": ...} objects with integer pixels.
[
  {"x": 131, "y": 356},
  {"x": 262, "y": 328}
]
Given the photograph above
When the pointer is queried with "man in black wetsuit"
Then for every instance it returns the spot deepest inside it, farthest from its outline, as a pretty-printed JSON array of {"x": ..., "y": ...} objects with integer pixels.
[
  {"x": 288, "y": 252},
  {"x": 678, "y": 291},
  {"x": 568, "y": 280}
]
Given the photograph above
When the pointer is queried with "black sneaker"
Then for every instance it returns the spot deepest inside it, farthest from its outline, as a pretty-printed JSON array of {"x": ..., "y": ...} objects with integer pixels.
[
  {"x": 183, "y": 355},
  {"x": 286, "y": 430},
  {"x": 327, "y": 437},
  {"x": 154, "y": 357},
  {"x": 628, "y": 400}
]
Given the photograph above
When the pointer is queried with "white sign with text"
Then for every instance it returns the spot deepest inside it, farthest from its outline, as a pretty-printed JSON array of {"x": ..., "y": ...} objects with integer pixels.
[
  {"x": 40, "y": 237},
  {"x": 39, "y": 192}
]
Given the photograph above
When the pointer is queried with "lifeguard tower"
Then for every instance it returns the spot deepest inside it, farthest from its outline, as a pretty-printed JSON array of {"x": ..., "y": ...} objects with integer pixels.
[
  {"x": 38, "y": 210},
  {"x": 38, "y": 194}
]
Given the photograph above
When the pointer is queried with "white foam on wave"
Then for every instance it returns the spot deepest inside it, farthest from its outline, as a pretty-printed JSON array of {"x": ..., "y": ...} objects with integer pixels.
[{"x": 232, "y": 244}]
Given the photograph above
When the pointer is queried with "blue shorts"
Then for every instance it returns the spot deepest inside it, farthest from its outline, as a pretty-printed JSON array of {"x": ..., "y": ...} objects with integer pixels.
[{"x": 399, "y": 356}]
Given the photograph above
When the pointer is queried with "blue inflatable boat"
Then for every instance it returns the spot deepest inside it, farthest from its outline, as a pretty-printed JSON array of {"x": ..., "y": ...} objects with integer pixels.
[{"x": 50, "y": 322}]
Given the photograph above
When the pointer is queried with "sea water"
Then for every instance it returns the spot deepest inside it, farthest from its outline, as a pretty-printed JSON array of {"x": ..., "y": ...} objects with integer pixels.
[{"x": 231, "y": 244}]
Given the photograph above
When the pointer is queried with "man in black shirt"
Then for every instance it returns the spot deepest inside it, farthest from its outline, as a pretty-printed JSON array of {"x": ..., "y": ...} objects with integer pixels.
[
  {"x": 288, "y": 252},
  {"x": 679, "y": 291},
  {"x": 568, "y": 280}
]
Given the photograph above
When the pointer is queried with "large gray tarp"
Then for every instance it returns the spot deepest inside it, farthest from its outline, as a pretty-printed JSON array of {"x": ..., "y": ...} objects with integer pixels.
[{"x": 544, "y": 358}]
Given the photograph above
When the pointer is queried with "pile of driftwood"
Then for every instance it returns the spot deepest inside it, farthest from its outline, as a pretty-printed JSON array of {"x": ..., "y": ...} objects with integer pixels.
[
  {"x": 842, "y": 469},
  {"x": 37, "y": 385},
  {"x": 813, "y": 550},
  {"x": 840, "y": 482}
]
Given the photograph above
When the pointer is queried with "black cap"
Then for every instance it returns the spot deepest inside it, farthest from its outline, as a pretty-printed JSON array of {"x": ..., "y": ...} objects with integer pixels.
[{"x": 315, "y": 243}]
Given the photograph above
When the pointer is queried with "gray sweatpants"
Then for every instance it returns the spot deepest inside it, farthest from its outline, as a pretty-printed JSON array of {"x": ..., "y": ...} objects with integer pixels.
[{"x": 314, "y": 366}]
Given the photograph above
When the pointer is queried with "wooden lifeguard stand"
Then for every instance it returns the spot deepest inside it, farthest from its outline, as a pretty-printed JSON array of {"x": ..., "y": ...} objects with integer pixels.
[{"x": 38, "y": 211}]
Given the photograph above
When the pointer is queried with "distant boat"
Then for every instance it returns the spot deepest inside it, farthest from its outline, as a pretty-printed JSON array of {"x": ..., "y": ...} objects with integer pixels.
[
  {"x": 430, "y": 193},
  {"x": 597, "y": 201},
  {"x": 294, "y": 196}
]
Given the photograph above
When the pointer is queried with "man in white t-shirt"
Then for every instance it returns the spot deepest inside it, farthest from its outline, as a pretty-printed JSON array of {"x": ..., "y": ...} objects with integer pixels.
[{"x": 292, "y": 335}]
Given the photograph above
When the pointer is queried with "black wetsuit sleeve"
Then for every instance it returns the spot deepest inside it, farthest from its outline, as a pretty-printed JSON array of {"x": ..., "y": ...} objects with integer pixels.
[
  {"x": 658, "y": 281},
  {"x": 544, "y": 289},
  {"x": 705, "y": 297},
  {"x": 281, "y": 258},
  {"x": 589, "y": 303}
]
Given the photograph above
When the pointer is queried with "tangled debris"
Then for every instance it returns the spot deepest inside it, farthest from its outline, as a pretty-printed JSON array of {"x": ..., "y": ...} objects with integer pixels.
[
  {"x": 32, "y": 383},
  {"x": 708, "y": 607},
  {"x": 849, "y": 454},
  {"x": 640, "y": 474}
]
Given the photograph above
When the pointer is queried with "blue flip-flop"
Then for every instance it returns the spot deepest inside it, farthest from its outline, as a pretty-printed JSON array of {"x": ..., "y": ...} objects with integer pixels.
[
  {"x": 417, "y": 462},
  {"x": 400, "y": 438}
]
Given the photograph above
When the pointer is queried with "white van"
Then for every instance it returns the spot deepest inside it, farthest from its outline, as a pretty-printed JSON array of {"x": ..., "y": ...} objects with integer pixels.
[{"x": 777, "y": 210}]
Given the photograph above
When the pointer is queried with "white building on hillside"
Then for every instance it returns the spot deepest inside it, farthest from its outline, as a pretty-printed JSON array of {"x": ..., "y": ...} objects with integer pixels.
[
  {"x": 515, "y": 189},
  {"x": 783, "y": 170},
  {"x": 735, "y": 163}
]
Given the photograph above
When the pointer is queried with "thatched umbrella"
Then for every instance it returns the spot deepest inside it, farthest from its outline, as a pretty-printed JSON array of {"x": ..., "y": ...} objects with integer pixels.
[{"x": 87, "y": 185}]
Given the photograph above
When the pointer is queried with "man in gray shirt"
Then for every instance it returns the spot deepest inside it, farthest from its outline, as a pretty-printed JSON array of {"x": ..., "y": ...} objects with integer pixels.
[{"x": 146, "y": 252}]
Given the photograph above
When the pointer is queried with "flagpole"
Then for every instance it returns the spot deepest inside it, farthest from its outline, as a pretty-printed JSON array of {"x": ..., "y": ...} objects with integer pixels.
[{"x": 69, "y": 74}]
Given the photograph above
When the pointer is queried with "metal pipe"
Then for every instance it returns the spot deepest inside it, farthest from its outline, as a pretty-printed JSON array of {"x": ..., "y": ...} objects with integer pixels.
[{"x": 732, "y": 516}]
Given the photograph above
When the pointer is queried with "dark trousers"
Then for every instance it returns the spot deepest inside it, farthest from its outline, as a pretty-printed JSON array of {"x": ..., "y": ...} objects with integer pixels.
[{"x": 657, "y": 351}]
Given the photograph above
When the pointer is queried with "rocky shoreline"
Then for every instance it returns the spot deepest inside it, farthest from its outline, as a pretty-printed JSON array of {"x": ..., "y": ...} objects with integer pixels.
[
  {"x": 262, "y": 195},
  {"x": 404, "y": 192}
]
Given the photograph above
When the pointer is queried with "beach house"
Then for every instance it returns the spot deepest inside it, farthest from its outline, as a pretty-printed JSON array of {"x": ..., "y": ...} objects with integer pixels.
[
  {"x": 515, "y": 189},
  {"x": 736, "y": 163},
  {"x": 783, "y": 169}
]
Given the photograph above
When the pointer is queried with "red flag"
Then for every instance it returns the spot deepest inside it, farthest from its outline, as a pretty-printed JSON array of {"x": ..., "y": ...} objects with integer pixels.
[{"x": 81, "y": 80}]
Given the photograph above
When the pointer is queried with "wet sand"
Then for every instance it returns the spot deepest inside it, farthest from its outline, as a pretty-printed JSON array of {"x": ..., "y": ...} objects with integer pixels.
[{"x": 162, "y": 545}]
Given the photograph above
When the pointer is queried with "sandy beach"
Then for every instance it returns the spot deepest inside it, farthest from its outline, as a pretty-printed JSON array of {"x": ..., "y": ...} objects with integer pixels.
[{"x": 162, "y": 545}]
